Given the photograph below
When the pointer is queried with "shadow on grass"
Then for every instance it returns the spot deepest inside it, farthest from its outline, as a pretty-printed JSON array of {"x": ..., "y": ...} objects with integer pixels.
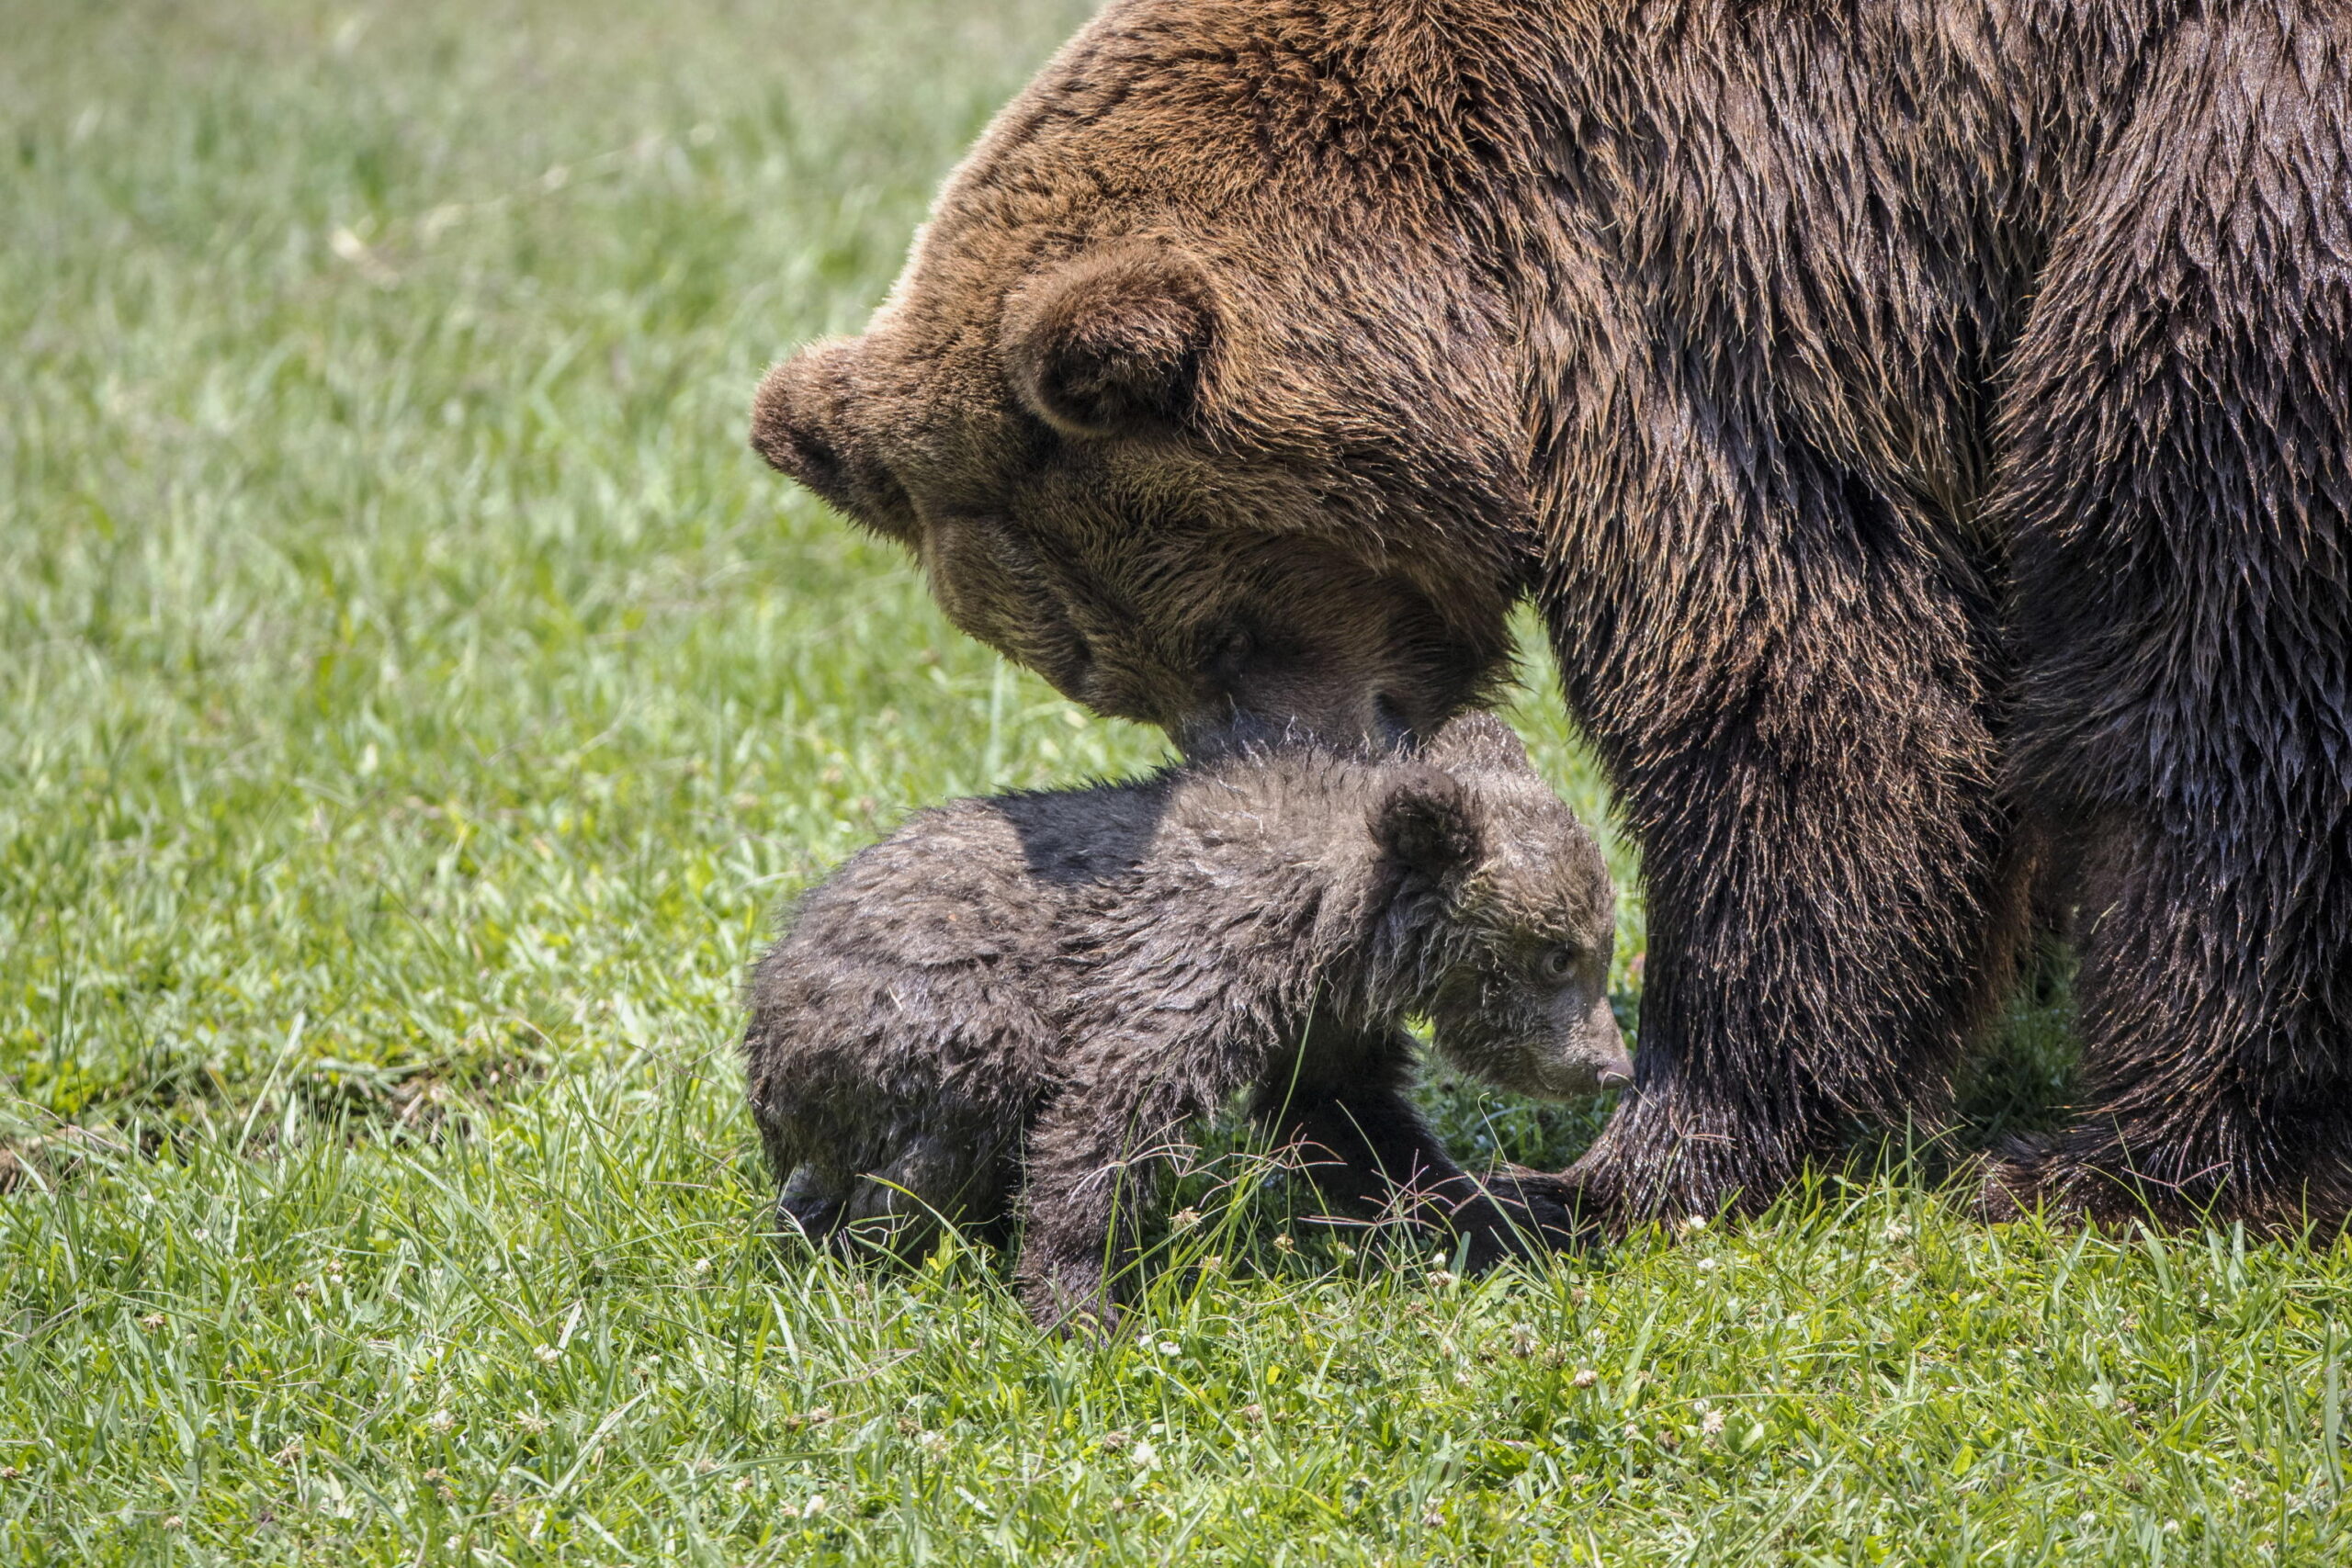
[
  {"x": 2025, "y": 1079},
  {"x": 42, "y": 1148}
]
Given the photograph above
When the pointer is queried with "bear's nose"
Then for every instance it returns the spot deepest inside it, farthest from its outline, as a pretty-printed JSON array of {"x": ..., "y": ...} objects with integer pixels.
[
  {"x": 788, "y": 416},
  {"x": 1379, "y": 728},
  {"x": 804, "y": 424},
  {"x": 1392, "y": 731},
  {"x": 1202, "y": 737}
]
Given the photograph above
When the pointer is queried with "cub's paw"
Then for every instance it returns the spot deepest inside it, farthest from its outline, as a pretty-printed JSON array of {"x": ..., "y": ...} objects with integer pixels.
[{"x": 809, "y": 1205}]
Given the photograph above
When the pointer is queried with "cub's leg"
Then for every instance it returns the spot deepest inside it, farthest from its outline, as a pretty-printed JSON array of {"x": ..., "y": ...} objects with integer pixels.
[
  {"x": 929, "y": 1180},
  {"x": 893, "y": 1188},
  {"x": 1369, "y": 1153},
  {"x": 1096, "y": 1159},
  {"x": 1098, "y": 1152},
  {"x": 2179, "y": 483}
]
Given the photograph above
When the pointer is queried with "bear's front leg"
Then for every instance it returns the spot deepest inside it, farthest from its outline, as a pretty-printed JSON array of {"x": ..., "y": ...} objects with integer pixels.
[
  {"x": 1830, "y": 902},
  {"x": 2178, "y": 480}
]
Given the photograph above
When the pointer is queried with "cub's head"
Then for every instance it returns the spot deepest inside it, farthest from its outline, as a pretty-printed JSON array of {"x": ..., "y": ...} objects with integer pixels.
[
  {"x": 1518, "y": 993},
  {"x": 1197, "y": 395}
]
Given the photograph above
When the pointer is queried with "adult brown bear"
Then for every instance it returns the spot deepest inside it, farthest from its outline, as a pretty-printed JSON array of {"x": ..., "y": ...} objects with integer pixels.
[{"x": 1925, "y": 424}]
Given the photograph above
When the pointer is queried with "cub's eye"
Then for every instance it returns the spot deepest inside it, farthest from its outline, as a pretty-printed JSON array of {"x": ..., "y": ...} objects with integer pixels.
[{"x": 1559, "y": 963}]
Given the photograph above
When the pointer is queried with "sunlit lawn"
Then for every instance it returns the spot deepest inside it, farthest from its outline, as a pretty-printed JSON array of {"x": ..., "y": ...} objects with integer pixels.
[{"x": 414, "y": 702}]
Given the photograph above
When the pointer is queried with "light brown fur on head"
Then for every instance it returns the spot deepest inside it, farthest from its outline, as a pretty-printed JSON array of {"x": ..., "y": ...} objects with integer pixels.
[{"x": 1172, "y": 402}]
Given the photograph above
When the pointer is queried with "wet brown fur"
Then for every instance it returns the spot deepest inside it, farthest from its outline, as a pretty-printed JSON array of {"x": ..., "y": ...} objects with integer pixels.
[
  {"x": 1061, "y": 981},
  {"x": 1925, "y": 424}
]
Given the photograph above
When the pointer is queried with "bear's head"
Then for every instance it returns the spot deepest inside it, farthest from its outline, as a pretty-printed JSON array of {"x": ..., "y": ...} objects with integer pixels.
[{"x": 1196, "y": 396}]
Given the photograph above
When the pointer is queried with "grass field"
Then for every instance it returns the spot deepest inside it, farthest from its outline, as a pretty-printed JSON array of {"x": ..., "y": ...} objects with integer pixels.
[{"x": 414, "y": 701}]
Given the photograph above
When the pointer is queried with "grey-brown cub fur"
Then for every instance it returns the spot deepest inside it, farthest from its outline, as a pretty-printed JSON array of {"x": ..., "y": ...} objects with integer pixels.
[{"x": 1061, "y": 981}]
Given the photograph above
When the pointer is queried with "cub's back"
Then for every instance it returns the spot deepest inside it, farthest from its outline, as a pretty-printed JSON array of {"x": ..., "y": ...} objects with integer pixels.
[{"x": 921, "y": 962}]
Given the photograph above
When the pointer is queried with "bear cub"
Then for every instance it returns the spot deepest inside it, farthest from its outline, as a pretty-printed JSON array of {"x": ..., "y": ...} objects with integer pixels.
[{"x": 1033, "y": 994}]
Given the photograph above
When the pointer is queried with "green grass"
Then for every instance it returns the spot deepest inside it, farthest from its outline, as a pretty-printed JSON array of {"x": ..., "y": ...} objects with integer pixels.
[{"x": 414, "y": 701}]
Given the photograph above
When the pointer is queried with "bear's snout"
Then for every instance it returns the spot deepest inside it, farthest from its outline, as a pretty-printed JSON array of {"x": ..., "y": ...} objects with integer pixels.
[{"x": 801, "y": 425}]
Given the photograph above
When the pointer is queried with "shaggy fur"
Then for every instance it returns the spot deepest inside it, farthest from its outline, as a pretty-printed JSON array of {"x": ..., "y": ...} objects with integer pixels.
[
  {"x": 1924, "y": 423},
  {"x": 1071, "y": 978}
]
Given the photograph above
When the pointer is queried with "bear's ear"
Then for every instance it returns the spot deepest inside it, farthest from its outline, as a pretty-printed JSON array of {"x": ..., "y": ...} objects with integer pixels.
[
  {"x": 1426, "y": 822},
  {"x": 1477, "y": 742},
  {"x": 1110, "y": 343},
  {"x": 801, "y": 423}
]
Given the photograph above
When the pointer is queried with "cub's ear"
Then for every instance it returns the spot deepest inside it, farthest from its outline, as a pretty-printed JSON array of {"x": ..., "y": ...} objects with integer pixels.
[
  {"x": 1425, "y": 822},
  {"x": 1477, "y": 741},
  {"x": 1113, "y": 342}
]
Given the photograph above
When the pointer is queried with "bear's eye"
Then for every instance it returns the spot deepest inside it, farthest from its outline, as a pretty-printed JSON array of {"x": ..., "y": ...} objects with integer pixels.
[
  {"x": 1559, "y": 963},
  {"x": 1234, "y": 650}
]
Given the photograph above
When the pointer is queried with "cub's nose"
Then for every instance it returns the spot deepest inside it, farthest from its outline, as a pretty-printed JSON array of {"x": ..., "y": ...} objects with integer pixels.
[{"x": 1605, "y": 1039}]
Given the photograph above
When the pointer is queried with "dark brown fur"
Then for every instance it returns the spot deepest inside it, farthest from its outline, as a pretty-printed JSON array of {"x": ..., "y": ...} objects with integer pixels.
[
  {"x": 1924, "y": 423},
  {"x": 1069, "y": 978}
]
